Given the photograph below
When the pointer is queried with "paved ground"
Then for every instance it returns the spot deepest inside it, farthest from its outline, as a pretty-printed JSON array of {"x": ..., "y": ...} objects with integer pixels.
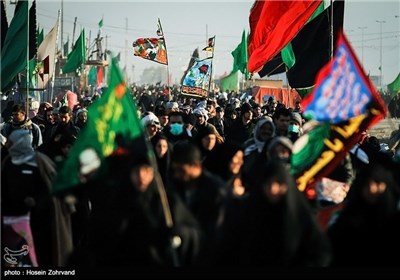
[{"x": 384, "y": 128}]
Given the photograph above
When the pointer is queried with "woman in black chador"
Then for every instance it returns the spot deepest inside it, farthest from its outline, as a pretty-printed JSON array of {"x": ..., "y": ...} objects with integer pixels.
[
  {"x": 275, "y": 226},
  {"x": 365, "y": 232},
  {"x": 127, "y": 225}
]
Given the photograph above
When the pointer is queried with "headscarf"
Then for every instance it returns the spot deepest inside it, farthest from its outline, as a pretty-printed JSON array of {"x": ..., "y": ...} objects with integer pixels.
[
  {"x": 21, "y": 150},
  {"x": 257, "y": 143},
  {"x": 201, "y": 111},
  {"x": 78, "y": 113},
  {"x": 218, "y": 161}
]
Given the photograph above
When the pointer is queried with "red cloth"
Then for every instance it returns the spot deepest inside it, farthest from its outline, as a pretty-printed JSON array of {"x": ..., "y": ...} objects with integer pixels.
[
  {"x": 99, "y": 76},
  {"x": 283, "y": 95},
  {"x": 21, "y": 225},
  {"x": 72, "y": 99},
  {"x": 273, "y": 24}
]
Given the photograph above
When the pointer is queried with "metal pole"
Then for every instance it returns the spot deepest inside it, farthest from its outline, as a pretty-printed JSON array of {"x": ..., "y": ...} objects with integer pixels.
[
  {"x": 380, "y": 59},
  {"x": 331, "y": 31},
  {"x": 362, "y": 44},
  {"x": 126, "y": 49},
  {"x": 27, "y": 65},
  {"x": 62, "y": 29},
  {"x": 211, "y": 71},
  {"x": 206, "y": 34},
  {"x": 73, "y": 32},
  {"x": 55, "y": 58}
]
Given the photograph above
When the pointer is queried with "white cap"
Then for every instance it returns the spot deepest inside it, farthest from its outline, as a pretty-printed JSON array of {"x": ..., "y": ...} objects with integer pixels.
[
  {"x": 150, "y": 119},
  {"x": 89, "y": 161},
  {"x": 172, "y": 105}
]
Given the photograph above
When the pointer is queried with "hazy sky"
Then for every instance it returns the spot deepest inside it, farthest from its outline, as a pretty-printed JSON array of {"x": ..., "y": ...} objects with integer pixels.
[{"x": 188, "y": 24}]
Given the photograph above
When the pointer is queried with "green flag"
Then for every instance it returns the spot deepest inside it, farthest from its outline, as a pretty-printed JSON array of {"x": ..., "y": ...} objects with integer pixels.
[
  {"x": 394, "y": 86},
  {"x": 230, "y": 82},
  {"x": 240, "y": 57},
  {"x": 14, "y": 52},
  {"x": 66, "y": 48},
  {"x": 303, "y": 92},
  {"x": 92, "y": 76},
  {"x": 307, "y": 154},
  {"x": 288, "y": 56},
  {"x": 101, "y": 23},
  {"x": 77, "y": 56},
  {"x": 112, "y": 116},
  {"x": 40, "y": 35}
]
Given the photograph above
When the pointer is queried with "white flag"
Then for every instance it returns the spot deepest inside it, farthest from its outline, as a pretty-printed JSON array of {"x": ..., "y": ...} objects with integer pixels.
[{"x": 47, "y": 49}]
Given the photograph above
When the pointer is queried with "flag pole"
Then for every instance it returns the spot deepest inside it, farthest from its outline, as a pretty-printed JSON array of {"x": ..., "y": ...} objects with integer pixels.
[
  {"x": 206, "y": 34},
  {"x": 160, "y": 33},
  {"x": 331, "y": 31},
  {"x": 27, "y": 65},
  {"x": 175, "y": 241},
  {"x": 55, "y": 58},
  {"x": 211, "y": 71}
]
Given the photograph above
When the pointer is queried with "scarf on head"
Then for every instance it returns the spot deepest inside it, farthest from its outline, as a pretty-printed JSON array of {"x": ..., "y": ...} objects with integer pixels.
[
  {"x": 21, "y": 151},
  {"x": 258, "y": 144}
]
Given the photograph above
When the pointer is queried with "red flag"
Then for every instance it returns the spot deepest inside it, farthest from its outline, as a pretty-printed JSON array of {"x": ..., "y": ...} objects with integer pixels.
[
  {"x": 45, "y": 68},
  {"x": 99, "y": 76},
  {"x": 273, "y": 24},
  {"x": 46, "y": 65}
]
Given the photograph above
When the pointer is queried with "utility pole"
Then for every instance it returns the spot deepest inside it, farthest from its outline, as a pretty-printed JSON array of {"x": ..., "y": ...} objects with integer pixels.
[
  {"x": 62, "y": 29},
  {"x": 206, "y": 35},
  {"x": 126, "y": 49},
  {"x": 362, "y": 43},
  {"x": 380, "y": 66},
  {"x": 73, "y": 32}
]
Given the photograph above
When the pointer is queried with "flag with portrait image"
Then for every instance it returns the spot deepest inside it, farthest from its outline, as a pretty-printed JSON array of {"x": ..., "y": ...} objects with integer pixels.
[
  {"x": 153, "y": 49},
  {"x": 197, "y": 79},
  {"x": 193, "y": 59}
]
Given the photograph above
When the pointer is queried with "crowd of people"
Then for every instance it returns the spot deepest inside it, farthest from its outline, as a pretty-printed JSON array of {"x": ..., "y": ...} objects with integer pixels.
[{"x": 218, "y": 192}]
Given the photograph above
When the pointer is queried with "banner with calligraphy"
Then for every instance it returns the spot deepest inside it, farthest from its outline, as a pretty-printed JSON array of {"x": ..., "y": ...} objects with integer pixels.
[
  {"x": 343, "y": 104},
  {"x": 342, "y": 89}
]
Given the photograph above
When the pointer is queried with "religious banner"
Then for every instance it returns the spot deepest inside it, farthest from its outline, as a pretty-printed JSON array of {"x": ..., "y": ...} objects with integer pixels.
[{"x": 197, "y": 80}]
